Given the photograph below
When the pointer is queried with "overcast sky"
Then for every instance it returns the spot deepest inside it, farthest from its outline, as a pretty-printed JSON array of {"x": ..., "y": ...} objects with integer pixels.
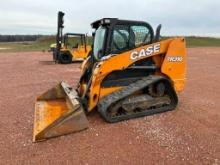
[{"x": 178, "y": 17}]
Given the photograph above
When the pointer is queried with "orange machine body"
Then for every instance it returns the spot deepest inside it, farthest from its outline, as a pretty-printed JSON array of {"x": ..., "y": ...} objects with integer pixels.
[{"x": 169, "y": 55}]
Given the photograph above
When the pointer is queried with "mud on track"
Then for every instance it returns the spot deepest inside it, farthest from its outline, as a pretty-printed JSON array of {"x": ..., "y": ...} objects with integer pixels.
[{"x": 188, "y": 135}]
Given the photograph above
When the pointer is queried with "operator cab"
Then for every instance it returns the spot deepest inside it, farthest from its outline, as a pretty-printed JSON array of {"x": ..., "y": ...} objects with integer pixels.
[
  {"x": 78, "y": 37},
  {"x": 114, "y": 36}
]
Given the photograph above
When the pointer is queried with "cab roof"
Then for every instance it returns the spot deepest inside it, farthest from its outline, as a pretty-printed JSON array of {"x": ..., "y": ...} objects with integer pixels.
[{"x": 108, "y": 21}]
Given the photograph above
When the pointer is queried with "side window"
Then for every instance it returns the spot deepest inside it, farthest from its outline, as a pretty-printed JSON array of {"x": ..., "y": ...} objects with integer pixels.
[
  {"x": 126, "y": 37},
  {"x": 141, "y": 34},
  {"x": 120, "y": 38}
]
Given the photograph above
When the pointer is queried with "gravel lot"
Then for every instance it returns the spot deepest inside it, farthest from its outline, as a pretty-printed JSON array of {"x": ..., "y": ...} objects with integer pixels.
[{"x": 188, "y": 135}]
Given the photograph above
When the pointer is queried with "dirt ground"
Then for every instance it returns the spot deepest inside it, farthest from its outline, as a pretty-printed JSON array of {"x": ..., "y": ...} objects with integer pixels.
[{"x": 188, "y": 135}]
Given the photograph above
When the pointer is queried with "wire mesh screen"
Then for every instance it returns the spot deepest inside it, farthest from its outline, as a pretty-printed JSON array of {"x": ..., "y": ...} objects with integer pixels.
[{"x": 142, "y": 35}]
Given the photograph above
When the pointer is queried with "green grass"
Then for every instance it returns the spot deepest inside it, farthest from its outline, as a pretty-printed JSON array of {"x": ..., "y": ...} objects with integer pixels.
[
  {"x": 202, "y": 42},
  {"x": 43, "y": 44},
  {"x": 25, "y": 46}
]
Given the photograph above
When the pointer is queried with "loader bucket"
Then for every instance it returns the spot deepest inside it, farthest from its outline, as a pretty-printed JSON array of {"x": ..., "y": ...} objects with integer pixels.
[{"x": 58, "y": 112}]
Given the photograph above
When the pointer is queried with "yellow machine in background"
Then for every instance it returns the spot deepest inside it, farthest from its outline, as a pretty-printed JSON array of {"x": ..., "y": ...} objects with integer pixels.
[
  {"x": 130, "y": 73},
  {"x": 64, "y": 53}
]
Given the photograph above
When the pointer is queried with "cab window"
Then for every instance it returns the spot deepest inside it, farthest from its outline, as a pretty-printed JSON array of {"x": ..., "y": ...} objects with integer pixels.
[
  {"x": 99, "y": 41},
  {"x": 126, "y": 37},
  {"x": 120, "y": 38},
  {"x": 142, "y": 35}
]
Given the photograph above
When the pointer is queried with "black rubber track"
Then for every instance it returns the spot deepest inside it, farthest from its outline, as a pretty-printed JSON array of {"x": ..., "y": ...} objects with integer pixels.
[{"x": 114, "y": 97}]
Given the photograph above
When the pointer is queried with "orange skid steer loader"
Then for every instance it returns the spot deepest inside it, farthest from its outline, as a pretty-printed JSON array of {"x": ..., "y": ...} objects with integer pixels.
[{"x": 130, "y": 73}]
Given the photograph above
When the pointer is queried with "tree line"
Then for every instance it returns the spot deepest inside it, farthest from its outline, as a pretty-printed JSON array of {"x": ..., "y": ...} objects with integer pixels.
[{"x": 20, "y": 38}]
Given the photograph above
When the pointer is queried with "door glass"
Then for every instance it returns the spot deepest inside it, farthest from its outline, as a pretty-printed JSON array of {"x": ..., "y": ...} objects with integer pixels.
[{"x": 99, "y": 41}]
